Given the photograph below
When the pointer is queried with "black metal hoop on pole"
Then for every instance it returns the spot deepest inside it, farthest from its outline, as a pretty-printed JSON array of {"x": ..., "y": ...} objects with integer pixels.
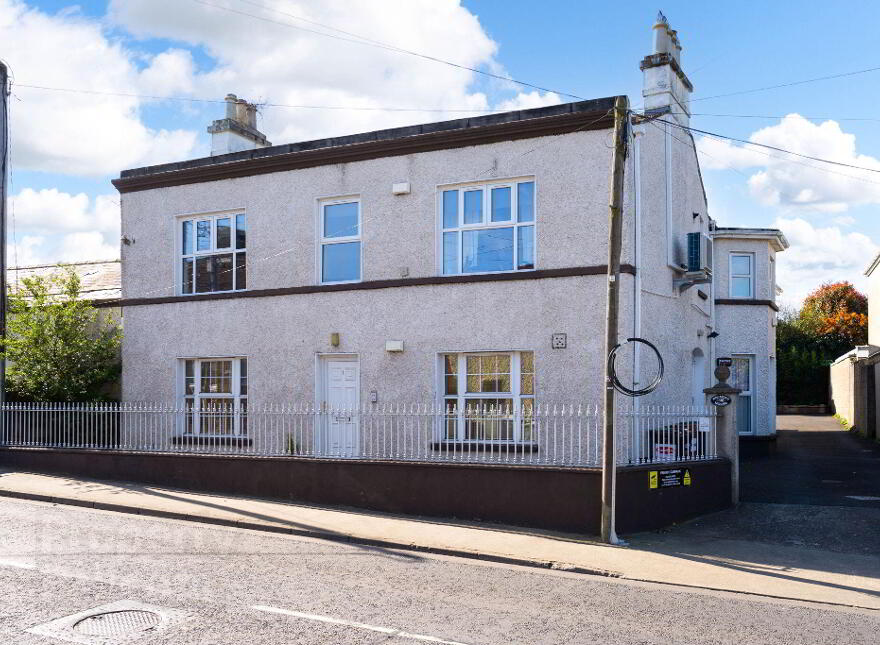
[{"x": 620, "y": 387}]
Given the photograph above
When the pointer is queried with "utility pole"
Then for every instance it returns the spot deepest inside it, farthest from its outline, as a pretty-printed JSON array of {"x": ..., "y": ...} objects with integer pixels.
[
  {"x": 4, "y": 170},
  {"x": 615, "y": 227}
]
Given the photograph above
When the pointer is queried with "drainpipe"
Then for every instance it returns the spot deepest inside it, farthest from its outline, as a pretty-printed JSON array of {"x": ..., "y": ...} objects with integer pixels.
[{"x": 637, "y": 258}]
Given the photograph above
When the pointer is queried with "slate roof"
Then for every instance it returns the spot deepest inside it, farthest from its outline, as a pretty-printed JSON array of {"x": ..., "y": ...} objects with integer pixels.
[{"x": 101, "y": 280}]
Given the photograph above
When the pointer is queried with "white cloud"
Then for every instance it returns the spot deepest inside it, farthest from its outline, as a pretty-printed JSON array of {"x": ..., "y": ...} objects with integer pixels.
[
  {"x": 82, "y": 134},
  {"x": 818, "y": 255},
  {"x": 27, "y": 252},
  {"x": 79, "y": 247},
  {"x": 59, "y": 227},
  {"x": 794, "y": 183},
  {"x": 261, "y": 60},
  {"x": 526, "y": 101},
  {"x": 52, "y": 211}
]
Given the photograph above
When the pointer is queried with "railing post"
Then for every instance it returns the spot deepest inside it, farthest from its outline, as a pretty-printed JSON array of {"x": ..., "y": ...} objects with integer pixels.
[{"x": 724, "y": 399}]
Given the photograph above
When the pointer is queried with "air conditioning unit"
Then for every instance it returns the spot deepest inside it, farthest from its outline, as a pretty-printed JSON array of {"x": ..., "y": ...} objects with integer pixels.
[{"x": 699, "y": 253}]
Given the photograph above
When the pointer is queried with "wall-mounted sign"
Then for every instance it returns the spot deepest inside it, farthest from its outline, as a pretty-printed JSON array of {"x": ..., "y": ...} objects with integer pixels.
[
  {"x": 723, "y": 361},
  {"x": 669, "y": 478},
  {"x": 720, "y": 400}
]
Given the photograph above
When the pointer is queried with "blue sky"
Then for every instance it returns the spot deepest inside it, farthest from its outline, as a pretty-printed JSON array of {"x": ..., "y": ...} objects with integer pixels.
[{"x": 64, "y": 204}]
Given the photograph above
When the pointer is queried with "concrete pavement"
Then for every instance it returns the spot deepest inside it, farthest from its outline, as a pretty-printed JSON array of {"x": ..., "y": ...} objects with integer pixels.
[
  {"x": 229, "y": 585},
  {"x": 801, "y": 573},
  {"x": 823, "y": 548}
]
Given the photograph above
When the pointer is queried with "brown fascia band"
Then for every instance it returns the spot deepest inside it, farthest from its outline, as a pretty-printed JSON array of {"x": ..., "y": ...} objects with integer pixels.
[{"x": 540, "y": 274}]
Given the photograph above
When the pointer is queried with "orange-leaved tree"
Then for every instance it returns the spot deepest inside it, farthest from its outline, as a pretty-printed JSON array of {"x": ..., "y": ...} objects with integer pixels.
[{"x": 838, "y": 314}]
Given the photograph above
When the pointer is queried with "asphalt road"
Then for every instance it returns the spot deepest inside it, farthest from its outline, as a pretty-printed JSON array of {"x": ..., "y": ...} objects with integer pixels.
[
  {"x": 815, "y": 462},
  {"x": 235, "y": 586}
]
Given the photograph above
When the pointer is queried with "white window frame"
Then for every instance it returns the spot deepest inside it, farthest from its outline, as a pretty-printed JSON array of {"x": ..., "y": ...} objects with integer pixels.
[
  {"x": 750, "y": 275},
  {"x": 180, "y": 256},
  {"x": 486, "y": 222},
  {"x": 236, "y": 397},
  {"x": 515, "y": 395},
  {"x": 325, "y": 241},
  {"x": 751, "y": 395}
]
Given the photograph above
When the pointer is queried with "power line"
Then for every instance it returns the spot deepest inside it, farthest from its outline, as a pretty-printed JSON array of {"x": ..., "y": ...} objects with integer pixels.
[
  {"x": 769, "y": 147},
  {"x": 272, "y": 105},
  {"x": 792, "y": 84},
  {"x": 769, "y": 116},
  {"x": 375, "y": 43},
  {"x": 779, "y": 85}
]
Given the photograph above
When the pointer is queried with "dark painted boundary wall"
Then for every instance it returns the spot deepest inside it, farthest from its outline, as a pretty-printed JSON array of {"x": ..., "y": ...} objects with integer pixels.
[{"x": 550, "y": 498}]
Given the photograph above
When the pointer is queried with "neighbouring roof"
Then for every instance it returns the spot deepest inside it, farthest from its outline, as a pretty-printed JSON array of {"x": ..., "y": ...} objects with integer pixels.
[
  {"x": 519, "y": 124},
  {"x": 773, "y": 235},
  {"x": 101, "y": 280}
]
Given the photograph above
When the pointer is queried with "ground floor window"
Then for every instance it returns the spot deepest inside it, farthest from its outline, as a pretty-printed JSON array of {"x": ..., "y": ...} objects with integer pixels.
[
  {"x": 214, "y": 393},
  {"x": 489, "y": 396}
]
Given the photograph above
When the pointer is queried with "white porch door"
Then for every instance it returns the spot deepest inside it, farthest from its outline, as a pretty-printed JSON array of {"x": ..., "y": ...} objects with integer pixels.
[
  {"x": 743, "y": 377},
  {"x": 341, "y": 391}
]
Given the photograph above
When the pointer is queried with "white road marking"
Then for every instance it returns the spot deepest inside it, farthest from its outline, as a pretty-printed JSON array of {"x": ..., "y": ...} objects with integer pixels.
[
  {"x": 4, "y": 562},
  {"x": 864, "y": 498},
  {"x": 350, "y": 623}
]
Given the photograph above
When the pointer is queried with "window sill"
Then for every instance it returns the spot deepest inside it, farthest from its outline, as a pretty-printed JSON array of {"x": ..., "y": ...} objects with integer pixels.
[
  {"x": 211, "y": 440},
  {"x": 210, "y": 293},
  {"x": 470, "y": 273},
  {"x": 491, "y": 446}
]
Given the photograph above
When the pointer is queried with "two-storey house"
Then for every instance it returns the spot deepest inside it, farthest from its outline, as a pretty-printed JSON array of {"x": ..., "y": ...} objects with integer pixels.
[{"x": 458, "y": 263}]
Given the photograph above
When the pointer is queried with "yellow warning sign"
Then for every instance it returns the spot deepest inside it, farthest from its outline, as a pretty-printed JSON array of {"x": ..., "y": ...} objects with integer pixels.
[
  {"x": 687, "y": 478},
  {"x": 653, "y": 479}
]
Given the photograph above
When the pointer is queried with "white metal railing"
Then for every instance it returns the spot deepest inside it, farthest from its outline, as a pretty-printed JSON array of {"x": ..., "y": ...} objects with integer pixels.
[
  {"x": 545, "y": 434},
  {"x": 658, "y": 434}
]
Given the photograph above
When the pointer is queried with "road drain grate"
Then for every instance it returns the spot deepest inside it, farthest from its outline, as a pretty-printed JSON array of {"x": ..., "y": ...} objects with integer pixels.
[{"x": 115, "y": 623}]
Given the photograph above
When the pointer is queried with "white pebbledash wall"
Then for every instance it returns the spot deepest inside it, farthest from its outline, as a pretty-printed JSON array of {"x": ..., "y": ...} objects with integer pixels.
[
  {"x": 749, "y": 329},
  {"x": 282, "y": 336}
]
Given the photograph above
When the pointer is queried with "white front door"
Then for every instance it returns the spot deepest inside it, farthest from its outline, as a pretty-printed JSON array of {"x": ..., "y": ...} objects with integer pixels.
[{"x": 340, "y": 412}]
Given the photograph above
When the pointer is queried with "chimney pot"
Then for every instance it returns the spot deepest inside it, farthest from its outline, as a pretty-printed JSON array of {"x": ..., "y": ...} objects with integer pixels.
[{"x": 238, "y": 131}]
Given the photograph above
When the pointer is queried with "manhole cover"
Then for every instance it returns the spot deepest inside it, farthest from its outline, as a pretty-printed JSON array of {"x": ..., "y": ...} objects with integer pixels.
[{"x": 115, "y": 623}]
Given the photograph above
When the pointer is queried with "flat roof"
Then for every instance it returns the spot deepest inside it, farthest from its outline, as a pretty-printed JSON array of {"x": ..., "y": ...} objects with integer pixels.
[
  {"x": 518, "y": 124},
  {"x": 769, "y": 234}
]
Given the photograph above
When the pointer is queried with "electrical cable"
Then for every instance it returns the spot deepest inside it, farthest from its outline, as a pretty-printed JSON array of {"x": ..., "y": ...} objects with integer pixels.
[
  {"x": 262, "y": 105},
  {"x": 769, "y": 147},
  {"x": 373, "y": 43},
  {"x": 615, "y": 381}
]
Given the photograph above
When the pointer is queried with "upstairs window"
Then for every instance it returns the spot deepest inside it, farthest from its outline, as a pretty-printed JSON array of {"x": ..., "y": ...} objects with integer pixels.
[
  {"x": 488, "y": 228},
  {"x": 213, "y": 254},
  {"x": 742, "y": 275},
  {"x": 339, "y": 229}
]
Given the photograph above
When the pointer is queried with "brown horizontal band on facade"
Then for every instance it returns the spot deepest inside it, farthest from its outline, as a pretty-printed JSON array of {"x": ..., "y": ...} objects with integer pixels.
[
  {"x": 404, "y": 145},
  {"x": 746, "y": 301},
  {"x": 541, "y": 274}
]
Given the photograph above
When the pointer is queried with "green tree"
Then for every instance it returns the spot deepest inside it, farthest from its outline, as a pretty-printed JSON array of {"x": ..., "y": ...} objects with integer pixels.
[
  {"x": 58, "y": 347},
  {"x": 833, "y": 319}
]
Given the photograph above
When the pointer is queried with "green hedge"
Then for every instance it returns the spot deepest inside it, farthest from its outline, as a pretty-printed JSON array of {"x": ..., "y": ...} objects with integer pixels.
[{"x": 802, "y": 377}]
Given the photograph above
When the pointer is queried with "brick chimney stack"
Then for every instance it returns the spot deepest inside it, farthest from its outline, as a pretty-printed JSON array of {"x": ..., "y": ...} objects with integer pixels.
[{"x": 238, "y": 131}]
